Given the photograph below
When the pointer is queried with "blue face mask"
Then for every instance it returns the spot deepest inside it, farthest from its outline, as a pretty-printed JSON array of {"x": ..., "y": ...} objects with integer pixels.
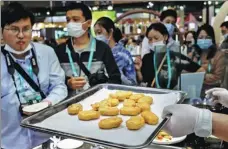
[
  {"x": 204, "y": 44},
  {"x": 170, "y": 27},
  {"x": 102, "y": 38}
]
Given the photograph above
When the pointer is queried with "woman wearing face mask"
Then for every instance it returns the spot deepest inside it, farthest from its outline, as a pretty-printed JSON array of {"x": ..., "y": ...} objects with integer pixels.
[
  {"x": 208, "y": 57},
  {"x": 106, "y": 31},
  {"x": 160, "y": 55}
]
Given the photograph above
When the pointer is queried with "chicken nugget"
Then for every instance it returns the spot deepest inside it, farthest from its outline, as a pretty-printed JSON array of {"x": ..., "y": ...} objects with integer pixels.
[
  {"x": 129, "y": 103},
  {"x": 95, "y": 106},
  {"x": 113, "y": 102},
  {"x": 88, "y": 115},
  {"x": 146, "y": 99},
  {"x": 113, "y": 96},
  {"x": 109, "y": 123},
  {"x": 135, "y": 123},
  {"x": 144, "y": 106},
  {"x": 130, "y": 111},
  {"x": 74, "y": 109},
  {"x": 150, "y": 118},
  {"x": 136, "y": 97},
  {"x": 109, "y": 111},
  {"x": 122, "y": 95}
]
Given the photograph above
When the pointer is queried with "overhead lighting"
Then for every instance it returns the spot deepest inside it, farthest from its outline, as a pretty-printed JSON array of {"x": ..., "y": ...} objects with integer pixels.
[
  {"x": 205, "y": 3},
  {"x": 181, "y": 7},
  {"x": 165, "y": 8},
  {"x": 216, "y": 3},
  {"x": 151, "y": 4},
  {"x": 95, "y": 8},
  {"x": 48, "y": 13},
  {"x": 148, "y": 6},
  {"x": 209, "y": 2},
  {"x": 110, "y": 7},
  {"x": 200, "y": 17}
]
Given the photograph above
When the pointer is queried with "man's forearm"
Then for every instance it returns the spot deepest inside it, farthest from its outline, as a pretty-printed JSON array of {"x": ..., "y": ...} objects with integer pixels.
[{"x": 220, "y": 126}]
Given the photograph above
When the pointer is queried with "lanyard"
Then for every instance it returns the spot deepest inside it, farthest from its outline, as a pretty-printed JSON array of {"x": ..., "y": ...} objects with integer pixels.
[
  {"x": 92, "y": 49},
  {"x": 22, "y": 80},
  {"x": 209, "y": 67},
  {"x": 169, "y": 70}
]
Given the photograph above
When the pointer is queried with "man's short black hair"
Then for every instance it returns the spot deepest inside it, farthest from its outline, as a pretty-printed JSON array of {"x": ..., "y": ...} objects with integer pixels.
[
  {"x": 80, "y": 6},
  {"x": 169, "y": 12},
  {"x": 224, "y": 24},
  {"x": 14, "y": 12}
]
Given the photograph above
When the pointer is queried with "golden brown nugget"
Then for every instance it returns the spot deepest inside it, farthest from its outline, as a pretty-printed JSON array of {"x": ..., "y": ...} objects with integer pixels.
[
  {"x": 122, "y": 95},
  {"x": 135, "y": 123},
  {"x": 113, "y": 102},
  {"x": 104, "y": 103},
  {"x": 113, "y": 96},
  {"x": 88, "y": 115},
  {"x": 144, "y": 106},
  {"x": 129, "y": 103},
  {"x": 150, "y": 118},
  {"x": 136, "y": 97},
  {"x": 146, "y": 99},
  {"x": 95, "y": 106},
  {"x": 74, "y": 109},
  {"x": 109, "y": 111},
  {"x": 109, "y": 123},
  {"x": 130, "y": 111}
]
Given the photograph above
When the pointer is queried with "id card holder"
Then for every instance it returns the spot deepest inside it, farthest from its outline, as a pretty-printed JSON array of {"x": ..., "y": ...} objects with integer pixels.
[{"x": 33, "y": 98}]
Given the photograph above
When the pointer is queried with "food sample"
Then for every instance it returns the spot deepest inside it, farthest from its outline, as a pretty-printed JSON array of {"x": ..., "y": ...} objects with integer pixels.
[
  {"x": 109, "y": 111},
  {"x": 135, "y": 123},
  {"x": 149, "y": 117},
  {"x": 113, "y": 102},
  {"x": 129, "y": 103},
  {"x": 88, "y": 115},
  {"x": 113, "y": 96},
  {"x": 95, "y": 106},
  {"x": 130, "y": 111},
  {"x": 162, "y": 135},
  {"x": 146, "y": 99},
  {"x": 122, "y": 95},
  {"x": 110, "y": 123},
  {"x": 104, "y": 103},
  {"x": 136, "y": 97},
  {"x": 144, "y": 106},
  {"x": 74, "y": 109}
]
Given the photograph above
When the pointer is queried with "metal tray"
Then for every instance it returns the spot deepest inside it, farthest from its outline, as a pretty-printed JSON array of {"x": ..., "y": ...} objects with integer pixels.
[{"x": 56, "y": 121}]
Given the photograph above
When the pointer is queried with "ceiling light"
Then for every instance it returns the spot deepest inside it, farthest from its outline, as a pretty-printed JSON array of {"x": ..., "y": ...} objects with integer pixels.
[
  {"x": 48, "y": 13},
  {"x": 209, "y": 2},
  {"x": 95, "y": 8},
  {"x": 151, "y": 4},
  {"x": 181, "y": 7},
  {"x": 110, "y": 7},
  {"x": 165, "y": 8}
]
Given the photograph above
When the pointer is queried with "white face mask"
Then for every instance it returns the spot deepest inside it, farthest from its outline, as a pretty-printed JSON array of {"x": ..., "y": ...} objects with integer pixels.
[
  {"x": 11, "y": 50},
  {"x": 156, "y": 45},
  {"x": 75, "y": 29}
]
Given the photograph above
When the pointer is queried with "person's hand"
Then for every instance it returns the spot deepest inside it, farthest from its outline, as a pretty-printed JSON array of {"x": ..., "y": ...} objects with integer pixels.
[
  {"x": 218, "y": 95},
  {"x": 138, "y": 63},
  {"x": 76, "y": 82},
  {"x": 201, "y": 69},
  {"x": 187, "y": 119}
]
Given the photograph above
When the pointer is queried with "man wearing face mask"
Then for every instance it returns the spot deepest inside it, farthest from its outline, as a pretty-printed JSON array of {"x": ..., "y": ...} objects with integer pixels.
[
  {"x": 83, "y": 54},
  {"x": 30, "y": 74},
  {"x": 224, "y": 30}
]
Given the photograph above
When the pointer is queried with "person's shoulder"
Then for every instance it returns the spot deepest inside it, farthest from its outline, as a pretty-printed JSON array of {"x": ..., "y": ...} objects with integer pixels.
[
  {"x": 42, "y": 49},
  {"x": 100, "y": 45}
]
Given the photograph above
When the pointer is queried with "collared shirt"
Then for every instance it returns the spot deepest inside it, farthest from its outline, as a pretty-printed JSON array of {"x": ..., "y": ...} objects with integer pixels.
[
  {"x": 125, "y": 64},
  {"x": 52, "y": 83}
]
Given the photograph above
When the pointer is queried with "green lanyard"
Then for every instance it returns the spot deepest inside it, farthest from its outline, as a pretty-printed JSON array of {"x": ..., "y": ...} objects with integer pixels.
[
  {"x": 22, "y": 80},
  {"x": 209, "y": 67},
  {"x": 92, "y": 49}
]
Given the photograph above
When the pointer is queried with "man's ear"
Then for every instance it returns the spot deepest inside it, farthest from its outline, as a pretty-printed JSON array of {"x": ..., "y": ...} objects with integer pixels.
[{"x": 166, "y": 38}]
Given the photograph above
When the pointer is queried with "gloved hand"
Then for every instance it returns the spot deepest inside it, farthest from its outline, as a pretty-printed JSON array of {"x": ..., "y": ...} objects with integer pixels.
[
  {"x": 187, "y": 119},
  {"x": 218, "y": 95}
]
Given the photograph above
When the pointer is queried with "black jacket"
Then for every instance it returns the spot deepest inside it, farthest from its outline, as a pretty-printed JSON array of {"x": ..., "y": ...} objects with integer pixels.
[{"x": 102, "y": 58}]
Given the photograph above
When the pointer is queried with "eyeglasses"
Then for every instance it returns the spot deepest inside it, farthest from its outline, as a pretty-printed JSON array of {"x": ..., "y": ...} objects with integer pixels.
[{"x": 16, "y": 31}]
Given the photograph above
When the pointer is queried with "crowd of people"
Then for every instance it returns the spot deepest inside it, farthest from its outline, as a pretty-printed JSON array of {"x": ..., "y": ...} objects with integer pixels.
[{"x": 34, "y": 72}]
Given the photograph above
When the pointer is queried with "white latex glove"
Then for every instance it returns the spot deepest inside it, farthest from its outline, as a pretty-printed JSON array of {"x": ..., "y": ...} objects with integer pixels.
[
  {"x": 218, "y": 95},
  {"x": 187, "y": 119}
]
